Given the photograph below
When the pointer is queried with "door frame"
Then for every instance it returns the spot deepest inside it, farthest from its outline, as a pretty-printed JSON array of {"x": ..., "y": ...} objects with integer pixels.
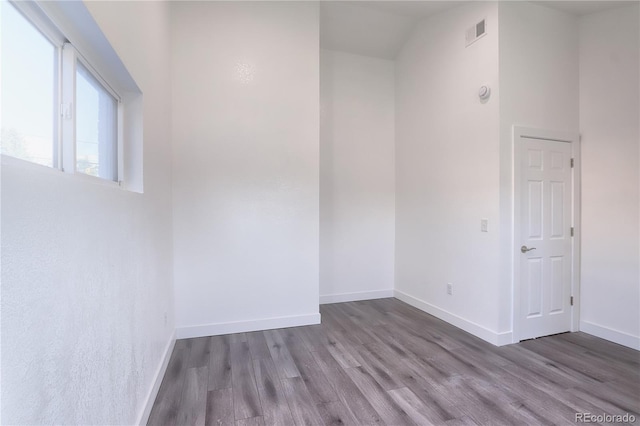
[{"x": 520, "y": 132}]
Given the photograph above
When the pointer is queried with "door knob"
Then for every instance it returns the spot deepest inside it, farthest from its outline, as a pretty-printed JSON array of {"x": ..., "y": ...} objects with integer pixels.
[{"x": 524, "y": 249}]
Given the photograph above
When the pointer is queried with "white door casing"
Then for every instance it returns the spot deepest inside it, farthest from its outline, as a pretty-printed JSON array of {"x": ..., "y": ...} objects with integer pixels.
[{"x": 546, "y": 197}]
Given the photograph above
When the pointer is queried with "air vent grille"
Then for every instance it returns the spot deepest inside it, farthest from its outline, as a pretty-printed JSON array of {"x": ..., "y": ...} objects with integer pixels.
[{"x": 475, "y": 32}]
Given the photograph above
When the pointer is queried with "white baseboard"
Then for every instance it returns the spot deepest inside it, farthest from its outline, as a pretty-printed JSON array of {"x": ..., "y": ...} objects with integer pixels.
[
  {"x": 498, "y": 339},
  {"x": 157, "y": 381},
  {"x": 352, "y": 297},
  {"x": 243, "y": 326},
  {"x": 615, "y": 336}
]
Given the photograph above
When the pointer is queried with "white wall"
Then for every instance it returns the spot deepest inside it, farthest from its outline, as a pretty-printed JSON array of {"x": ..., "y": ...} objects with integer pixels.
[
  {"x": 539, "y": 88},
  {"x": 447, "y": 170},
  {"x": 86, "y": 268},
  {"x": 245, "y": 165},
  {"x": 357, "y": 180},
  {"x": 609, "y": 118}
]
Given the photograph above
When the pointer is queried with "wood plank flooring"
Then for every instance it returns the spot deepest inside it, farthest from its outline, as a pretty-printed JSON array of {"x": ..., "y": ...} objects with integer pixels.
[{"x": 385, "y": 362}]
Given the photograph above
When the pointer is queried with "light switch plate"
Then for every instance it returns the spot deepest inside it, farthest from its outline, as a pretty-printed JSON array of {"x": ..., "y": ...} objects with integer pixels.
[{"x": 484, "y": 225}]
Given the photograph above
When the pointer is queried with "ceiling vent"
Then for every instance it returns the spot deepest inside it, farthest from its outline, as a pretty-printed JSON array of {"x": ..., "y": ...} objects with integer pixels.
[{"x": 475, "y": 32}]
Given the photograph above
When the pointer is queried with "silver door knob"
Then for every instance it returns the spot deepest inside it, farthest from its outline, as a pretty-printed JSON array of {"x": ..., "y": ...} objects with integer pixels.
[{"x": 524, "y": 249}]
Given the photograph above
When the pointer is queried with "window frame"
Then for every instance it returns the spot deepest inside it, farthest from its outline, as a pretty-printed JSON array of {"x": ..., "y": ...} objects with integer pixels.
[
  {"x": 64, "y": 141},
  {"x": 68, "y": 114},
  {"x": 41, "y": 24}
]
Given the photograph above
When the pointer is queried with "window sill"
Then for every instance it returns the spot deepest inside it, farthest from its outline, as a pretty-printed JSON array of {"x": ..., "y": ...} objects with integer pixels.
[{"x": 30, "y": 167}]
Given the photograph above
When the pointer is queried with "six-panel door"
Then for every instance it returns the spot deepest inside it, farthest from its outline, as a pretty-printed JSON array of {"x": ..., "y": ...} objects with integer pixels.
[{"x": 545, "y": 263}]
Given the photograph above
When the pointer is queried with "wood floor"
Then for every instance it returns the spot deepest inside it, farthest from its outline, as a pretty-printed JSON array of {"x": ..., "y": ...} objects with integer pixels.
[{"x": 385, "y": 362}]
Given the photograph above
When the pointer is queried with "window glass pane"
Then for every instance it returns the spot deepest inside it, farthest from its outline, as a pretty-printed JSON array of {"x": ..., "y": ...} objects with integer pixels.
[
  {"x": 96, "y": 127},
  {"x": 29, "y": 84}
]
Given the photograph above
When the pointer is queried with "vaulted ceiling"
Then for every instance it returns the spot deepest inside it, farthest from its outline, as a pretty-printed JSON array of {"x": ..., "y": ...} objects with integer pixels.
[{"x": 380, "y": 28}]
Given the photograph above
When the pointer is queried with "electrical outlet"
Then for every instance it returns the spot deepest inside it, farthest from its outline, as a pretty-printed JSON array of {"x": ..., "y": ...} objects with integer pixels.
[{"x": 450, "y": 289}]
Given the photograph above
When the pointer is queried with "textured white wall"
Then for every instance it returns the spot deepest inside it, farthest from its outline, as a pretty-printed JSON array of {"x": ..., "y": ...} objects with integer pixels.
[
  {"x": 609, "y": 118},
  {"x": 245, "y": 164},
  {"x": 447, "y": 164},
  {"x": 86, "y": 269},
  {"x": 357, "y": 201},
  {"x": 539, "y": 88}
]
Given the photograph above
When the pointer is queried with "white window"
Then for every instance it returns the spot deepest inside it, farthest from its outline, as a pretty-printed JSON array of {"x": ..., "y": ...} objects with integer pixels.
[
  {"x": 56, "y": 108},
  {"x": 29, "y": 91},
  {"x": 96, "y": 111}
]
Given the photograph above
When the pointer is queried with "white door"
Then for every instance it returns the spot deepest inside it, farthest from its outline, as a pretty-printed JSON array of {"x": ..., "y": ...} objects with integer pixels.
[{"x": 543, "y": 235}]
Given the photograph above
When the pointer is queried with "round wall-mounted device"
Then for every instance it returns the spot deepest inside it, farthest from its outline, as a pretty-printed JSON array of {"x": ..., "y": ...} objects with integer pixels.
[{"x": 484, "y": 93}]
